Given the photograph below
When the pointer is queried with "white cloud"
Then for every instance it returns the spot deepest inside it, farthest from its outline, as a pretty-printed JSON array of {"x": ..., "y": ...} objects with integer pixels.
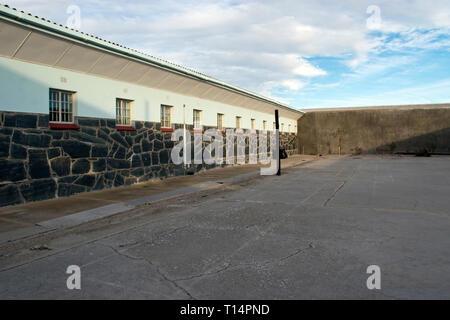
[{"x": 260, "y": 45}]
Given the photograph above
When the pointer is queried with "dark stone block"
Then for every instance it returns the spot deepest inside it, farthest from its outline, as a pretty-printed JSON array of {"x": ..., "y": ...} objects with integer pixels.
[
  {"x": 179, "y": 172},
  {"x": 120, "y": 154},
  {"x": 168, "y": 144},
  {"x": 118, "y": 164},
  {"x": 43, "y": 121},
  {"x": 74, "y": 148},
  {"x": 163, "y": 172},
  {"x": 56, "y": 135},
  {"x": 67, "y": 179},
  {"x": 4, "y": 149},
  {"x": 18, "y": 152},
  {"x": 146, "y": 146},
  {"x": 37, "y": 164},
  {"x": 138, "y": 125},
  {"x": 118, "y": 181},
  {"x": 151, "y": 136},
  {"x": 105, "y": 131},
  {"x": 129, "y": 154},
  {"x": 137, "y": 149},
  {"x": 53, "y": 153},
  {"x": 113, "y": 150},
  {"x": 103, "y": 136},
  {"x": 119, "y": 139},
  {"x": 89, "y": 131},
  {"x": 157, "y": 126},
  {"x": 100, "y": 184},
  {"x": 9, "y": 195},
  {"x": 157, "y": 145},
  {"x": 138, "y": 138},
  {"x": 148, "y": 124},
  {"x": 61, "y": 166},
  {"x": 110, "y": 175},
  {"x": 20, "y": 120},
  {"x": 65, "y": 190},
  {"x": 155, "y": 158},
  {"x": 136, "y": 161},
  {"x": 38, "y": 190},
  {"x": 129, "y": 139},
  {"x": 164, "y": 157},
  {"x": 32, "y": 140},
  {"x": 111, "y": 123},
  {"x": 83, "y": 137},
  {"x": 159, "y": 136},
  {"x": 6, "y": 131},
  {"x": 88, "y": 122},
  {"x": 137, "y": 172},
  {"x": 155, "y": 169},
  {"x": 87, "y": 180},
  {"x": 99, "y": 151},
  {"x": 146, "y": 160},
  {"x": 125, "y": 173},
  {"x": 130, "y": 181},
  {"x": 99, "y": 165},
  {"x": 81, "y": 166}
]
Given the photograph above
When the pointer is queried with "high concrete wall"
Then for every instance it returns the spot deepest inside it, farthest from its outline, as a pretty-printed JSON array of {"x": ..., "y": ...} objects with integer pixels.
[{"x": 375, "y": 131}]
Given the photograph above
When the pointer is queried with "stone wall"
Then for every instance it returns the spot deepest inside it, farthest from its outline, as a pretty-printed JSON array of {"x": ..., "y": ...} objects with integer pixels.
[
  {"x": 375, "y": 131},
  {"x": 38, "y": 163}
]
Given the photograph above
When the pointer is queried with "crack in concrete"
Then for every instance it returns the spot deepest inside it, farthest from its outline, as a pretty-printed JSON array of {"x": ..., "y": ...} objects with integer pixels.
[
  {"x": 252, "y": 264},
  {"x": 155, "y": 267}
]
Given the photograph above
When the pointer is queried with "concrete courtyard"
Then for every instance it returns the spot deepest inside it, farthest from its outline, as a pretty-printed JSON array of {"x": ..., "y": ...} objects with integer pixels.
[{"x": 309, "y": 234}]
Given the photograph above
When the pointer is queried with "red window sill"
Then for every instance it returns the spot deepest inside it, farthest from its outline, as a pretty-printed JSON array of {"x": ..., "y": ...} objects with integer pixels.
[
  {"x": 166, "y": 129},
  {"x": 125, "y": 128},
  {"x": 63, "y": 126},
  {"x": 221, "y": 131}
]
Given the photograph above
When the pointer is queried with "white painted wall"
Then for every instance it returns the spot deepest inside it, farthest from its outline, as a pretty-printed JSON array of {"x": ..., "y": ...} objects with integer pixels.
[{"x": 24, "y": 87}]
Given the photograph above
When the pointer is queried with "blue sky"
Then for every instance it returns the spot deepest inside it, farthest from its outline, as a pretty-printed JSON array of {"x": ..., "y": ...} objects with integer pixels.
[{"x": 308, "y": 54}]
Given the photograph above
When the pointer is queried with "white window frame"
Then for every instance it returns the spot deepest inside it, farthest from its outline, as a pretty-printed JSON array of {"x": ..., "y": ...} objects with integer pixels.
[
  {"x": 166, "y": 123},
  {"x": 264, "y": 125},
  {"x": 123, "y": 118},
  {"x": 220, "y": 121},
  {"x": 197, "y": 118},
  {"x": 238, "y": 122},
  {"x": 252, "y": 124},
  {"x": 60, "y": 94}
]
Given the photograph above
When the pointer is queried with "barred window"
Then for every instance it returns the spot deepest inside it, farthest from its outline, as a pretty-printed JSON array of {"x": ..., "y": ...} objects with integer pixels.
[
  {"x": 61, "y": 106},
  {"x": 166, "y": 121},
  {"x": 264, "y": 125},
  {"x": 238, "y": 122},
  {"x": 252, "y": 124},
  {"x": 220, "y": 121},
  {"x": 197, "y": 120},
  {"x": 123, "y": 112}
]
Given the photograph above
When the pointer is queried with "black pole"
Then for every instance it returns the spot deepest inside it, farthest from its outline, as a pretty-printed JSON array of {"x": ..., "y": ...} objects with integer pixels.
[{"x": 277, "y": 126}]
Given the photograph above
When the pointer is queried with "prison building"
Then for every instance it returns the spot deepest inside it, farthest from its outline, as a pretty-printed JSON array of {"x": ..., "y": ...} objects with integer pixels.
[{"x": 78, "y": 113}]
